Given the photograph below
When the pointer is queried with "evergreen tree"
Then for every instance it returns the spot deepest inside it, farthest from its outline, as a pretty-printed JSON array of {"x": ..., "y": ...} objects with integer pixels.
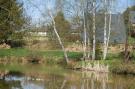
[
  {"x": 11, "y": 18},
  {"x": 62, "y": 25}
]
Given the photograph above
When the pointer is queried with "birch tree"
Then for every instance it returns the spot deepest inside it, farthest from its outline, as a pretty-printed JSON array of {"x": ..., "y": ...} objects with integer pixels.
[
  {"x": 58, "y": 37},
  {"x": 105, "y": 31},
  {"x": 84, "y": 29},
  {"x": 78, "y": 10},
  {"x": 107, "y": 34},
  {"x": 109, "y": 30},
  {"x": 54, "y": 28},
  {"x": 94, "y": 29}
]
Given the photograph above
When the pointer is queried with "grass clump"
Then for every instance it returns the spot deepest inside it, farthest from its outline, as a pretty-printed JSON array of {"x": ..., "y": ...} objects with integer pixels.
[{"x": 124, "y": 68}]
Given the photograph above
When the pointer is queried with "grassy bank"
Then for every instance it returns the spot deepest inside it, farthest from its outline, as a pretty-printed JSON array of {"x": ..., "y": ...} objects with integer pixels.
[
  {"x": 116, "y": 66},
  {"x": 49, "y": 56},
  {"x": 14, "y": 56}
]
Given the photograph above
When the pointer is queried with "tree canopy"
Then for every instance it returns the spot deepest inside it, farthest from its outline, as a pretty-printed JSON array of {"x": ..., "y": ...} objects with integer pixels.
[
  {"x": 11, "y": 18},
  {"x": 62, "y": 25}
]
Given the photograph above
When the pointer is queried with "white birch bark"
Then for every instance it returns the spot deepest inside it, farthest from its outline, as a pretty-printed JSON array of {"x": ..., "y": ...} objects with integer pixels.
[
  {"x": 85, "y": 32},
  {"x": 63, "y": 84},
  {"x": 94, "y": 29},
  {"x": 88, "y": 47},
  {"x": 107, "y": 38},
  {"x": 105, "y": 32},
  {"x": 110, "y": 22},
  {"x": 58, "y": 37},
  {"x": 88, "y": 37}
]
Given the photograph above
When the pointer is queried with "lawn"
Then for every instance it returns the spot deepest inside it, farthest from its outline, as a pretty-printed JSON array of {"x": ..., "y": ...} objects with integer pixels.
[
  {"x": 18, "y": 52},
  {"x": 22, "y": 52}
]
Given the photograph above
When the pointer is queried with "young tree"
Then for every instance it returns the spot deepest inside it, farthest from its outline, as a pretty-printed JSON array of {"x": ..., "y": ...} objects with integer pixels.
[
  {"x": 48, "y": 9},
  {"x": 94, "y": 30},
  {"x": 105, "y": 31},
  {"x": 78, "y": 15},
  {"x": 108, "y": 13},
  {"x": 110, "y": 22},
  {"x": 128, "y": 25},
  {"x": 83, "y": 5},
  {"x": 62, "y": 26},
  {"x": 58, "y": 37}
]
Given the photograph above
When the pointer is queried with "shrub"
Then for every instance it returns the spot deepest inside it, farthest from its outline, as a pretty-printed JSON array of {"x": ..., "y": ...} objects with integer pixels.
[
  {"x": 34, "y": 57},
  {"x": 123, "y": 68},
  {"x": 98, "y": 52},
  {"x": 35, "y": 41},
  {"x": 16, "y": 43}
]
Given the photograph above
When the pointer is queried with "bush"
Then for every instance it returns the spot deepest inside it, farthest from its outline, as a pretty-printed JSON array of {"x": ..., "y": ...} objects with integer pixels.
[
  {"x": 35, "y": 41},
  {"x": 133, "y": 55},
  {"x": 16, "y": 39},
  {"x": 98, "y": 52},
  {"x": 123, "y": 68},
  {"x": 16, "y": 43},
  {"x": 34, "y": 57},
  {"x": 76, "y": 56}
]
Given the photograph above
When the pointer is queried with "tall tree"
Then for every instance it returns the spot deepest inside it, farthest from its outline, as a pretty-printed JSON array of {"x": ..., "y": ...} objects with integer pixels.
[
  {"x": 109, "y": 29},
  {"x": 105, "y": 29},
  {"x": 63, "y": 26},
  {"x": 94, "y": 30},
  {"x": 128, "y": 26},
  {"x": 108, "y": 13},
  {"x": 11, "y": 18},
  {"x": 58, "y": 37}
]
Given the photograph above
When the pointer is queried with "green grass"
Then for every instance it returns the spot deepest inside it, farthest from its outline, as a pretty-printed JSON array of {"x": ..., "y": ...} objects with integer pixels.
[
  {"x": 114, "y": 61},
  {"x": 131, "y": 40},
  {"x": 34, "y": 69},
  {"x": 21, "y": 52},
  {"x": 18, "y": 52}
]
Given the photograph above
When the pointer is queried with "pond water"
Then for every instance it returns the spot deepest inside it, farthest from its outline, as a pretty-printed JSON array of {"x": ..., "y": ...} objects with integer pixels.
[{"x": 66, "y": 79}]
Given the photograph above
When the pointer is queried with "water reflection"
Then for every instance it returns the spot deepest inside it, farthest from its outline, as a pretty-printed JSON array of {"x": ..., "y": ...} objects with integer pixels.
[{"x": 72, "y": 80}]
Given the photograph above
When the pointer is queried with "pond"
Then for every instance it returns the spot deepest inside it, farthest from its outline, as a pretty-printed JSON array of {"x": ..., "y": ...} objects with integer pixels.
[{"x": 54, "y": 77}]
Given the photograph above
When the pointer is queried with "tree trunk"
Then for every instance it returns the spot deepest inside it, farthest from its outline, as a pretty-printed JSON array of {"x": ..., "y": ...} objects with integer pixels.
[
  {"x": 94, "y": 28},
  {"x": 105, "y": 31},
  {"x": 126, "y": 47},
  {"x": 85, "y": 34},
  {"x": 126, "y": 43},
  {"x": 63, "y": 84},
  {"x": 59, "y": 39},
  {"x": 88, "y": 48},
  {"x": 109, "y": 31}
]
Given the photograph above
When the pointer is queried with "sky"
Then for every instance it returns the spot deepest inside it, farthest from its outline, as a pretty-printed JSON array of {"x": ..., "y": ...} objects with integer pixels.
[{"x": 37, "y": 17}]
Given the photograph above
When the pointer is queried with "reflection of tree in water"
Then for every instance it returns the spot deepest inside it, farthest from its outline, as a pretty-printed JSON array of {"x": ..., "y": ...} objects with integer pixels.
[
  {"x": 75, "y": 80},
  {"x": 94, "y": 80},
  {"x": 29, "y": 84},
  {"x": 10, "y": 84},
  {"x": 90, "y": 80},
  {"x": 87, "y": 80}
]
